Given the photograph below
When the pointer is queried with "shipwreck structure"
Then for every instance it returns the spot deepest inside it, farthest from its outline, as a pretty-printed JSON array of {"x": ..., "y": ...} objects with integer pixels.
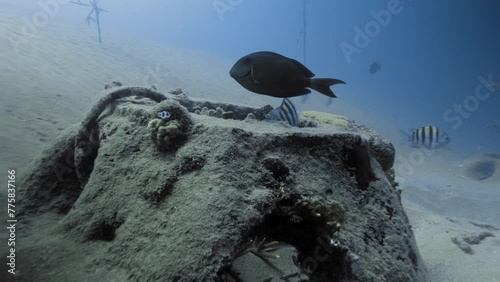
[{"x": 154, "y": 186}]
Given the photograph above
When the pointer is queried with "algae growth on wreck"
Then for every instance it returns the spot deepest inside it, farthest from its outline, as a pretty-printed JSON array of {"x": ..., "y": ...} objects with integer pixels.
[{"x": 243, "y": 184}]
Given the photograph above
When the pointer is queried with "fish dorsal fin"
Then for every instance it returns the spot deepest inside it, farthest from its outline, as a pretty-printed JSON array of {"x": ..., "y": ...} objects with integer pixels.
[{"x": 304, "y": 69}]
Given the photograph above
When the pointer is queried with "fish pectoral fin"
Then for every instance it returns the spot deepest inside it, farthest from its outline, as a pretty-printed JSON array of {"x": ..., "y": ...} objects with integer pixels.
[{"x": 253, "y": 77}]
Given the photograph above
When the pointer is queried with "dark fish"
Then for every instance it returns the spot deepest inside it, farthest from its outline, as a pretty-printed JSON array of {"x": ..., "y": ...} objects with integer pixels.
[
  {"x": 275, "y": 75},
  {"x": 430, "y": 137},
  {"x": 494, "y": 125},
  {"x": 375, "y": 67},
  {"x": 285, "y": 112}
]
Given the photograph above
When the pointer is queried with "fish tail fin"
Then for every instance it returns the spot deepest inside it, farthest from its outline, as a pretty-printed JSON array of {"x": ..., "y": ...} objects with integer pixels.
[
  {"x": 322, "y": 85},
  {"x": 405, "y": 137}
]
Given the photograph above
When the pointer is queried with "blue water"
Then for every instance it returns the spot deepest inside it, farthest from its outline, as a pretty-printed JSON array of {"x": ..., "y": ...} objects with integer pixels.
[{"x": 431, "y": 52}]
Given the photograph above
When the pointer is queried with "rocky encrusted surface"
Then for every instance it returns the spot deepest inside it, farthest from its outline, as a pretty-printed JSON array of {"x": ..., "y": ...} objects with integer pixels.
[{"x": 232, "y": 200}]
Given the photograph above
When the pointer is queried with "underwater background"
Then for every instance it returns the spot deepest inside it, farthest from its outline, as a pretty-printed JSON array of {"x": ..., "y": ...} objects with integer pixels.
[
  {"x": 438, "y": 64},
  {"x": 431, "y": 52}
]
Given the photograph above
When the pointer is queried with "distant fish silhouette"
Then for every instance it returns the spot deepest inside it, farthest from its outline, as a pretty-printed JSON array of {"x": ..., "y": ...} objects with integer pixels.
[
  {"x": 494, "y": 125},
  {"x": 285, "y": 112},
  {"x": 430, "y": 137},
  {"x": 375, "y": 67},
  {"x": 275, "y": 75}
]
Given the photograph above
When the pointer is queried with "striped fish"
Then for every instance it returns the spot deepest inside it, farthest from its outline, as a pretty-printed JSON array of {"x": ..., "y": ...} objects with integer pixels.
[
  {"x": 430, "y": 137},
  {"x": 286, "y": 112}
]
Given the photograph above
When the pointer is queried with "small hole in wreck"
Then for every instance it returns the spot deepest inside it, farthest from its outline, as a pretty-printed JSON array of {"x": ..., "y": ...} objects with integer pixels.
[{"x": 316, "y": 255}]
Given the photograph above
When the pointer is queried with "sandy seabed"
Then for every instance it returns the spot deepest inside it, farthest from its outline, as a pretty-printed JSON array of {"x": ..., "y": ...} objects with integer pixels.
[{"x": 50, "y": 79}]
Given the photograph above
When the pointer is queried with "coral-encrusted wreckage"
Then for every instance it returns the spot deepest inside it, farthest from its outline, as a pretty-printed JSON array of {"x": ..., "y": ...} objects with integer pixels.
[{"x": 161, "y": 187}]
